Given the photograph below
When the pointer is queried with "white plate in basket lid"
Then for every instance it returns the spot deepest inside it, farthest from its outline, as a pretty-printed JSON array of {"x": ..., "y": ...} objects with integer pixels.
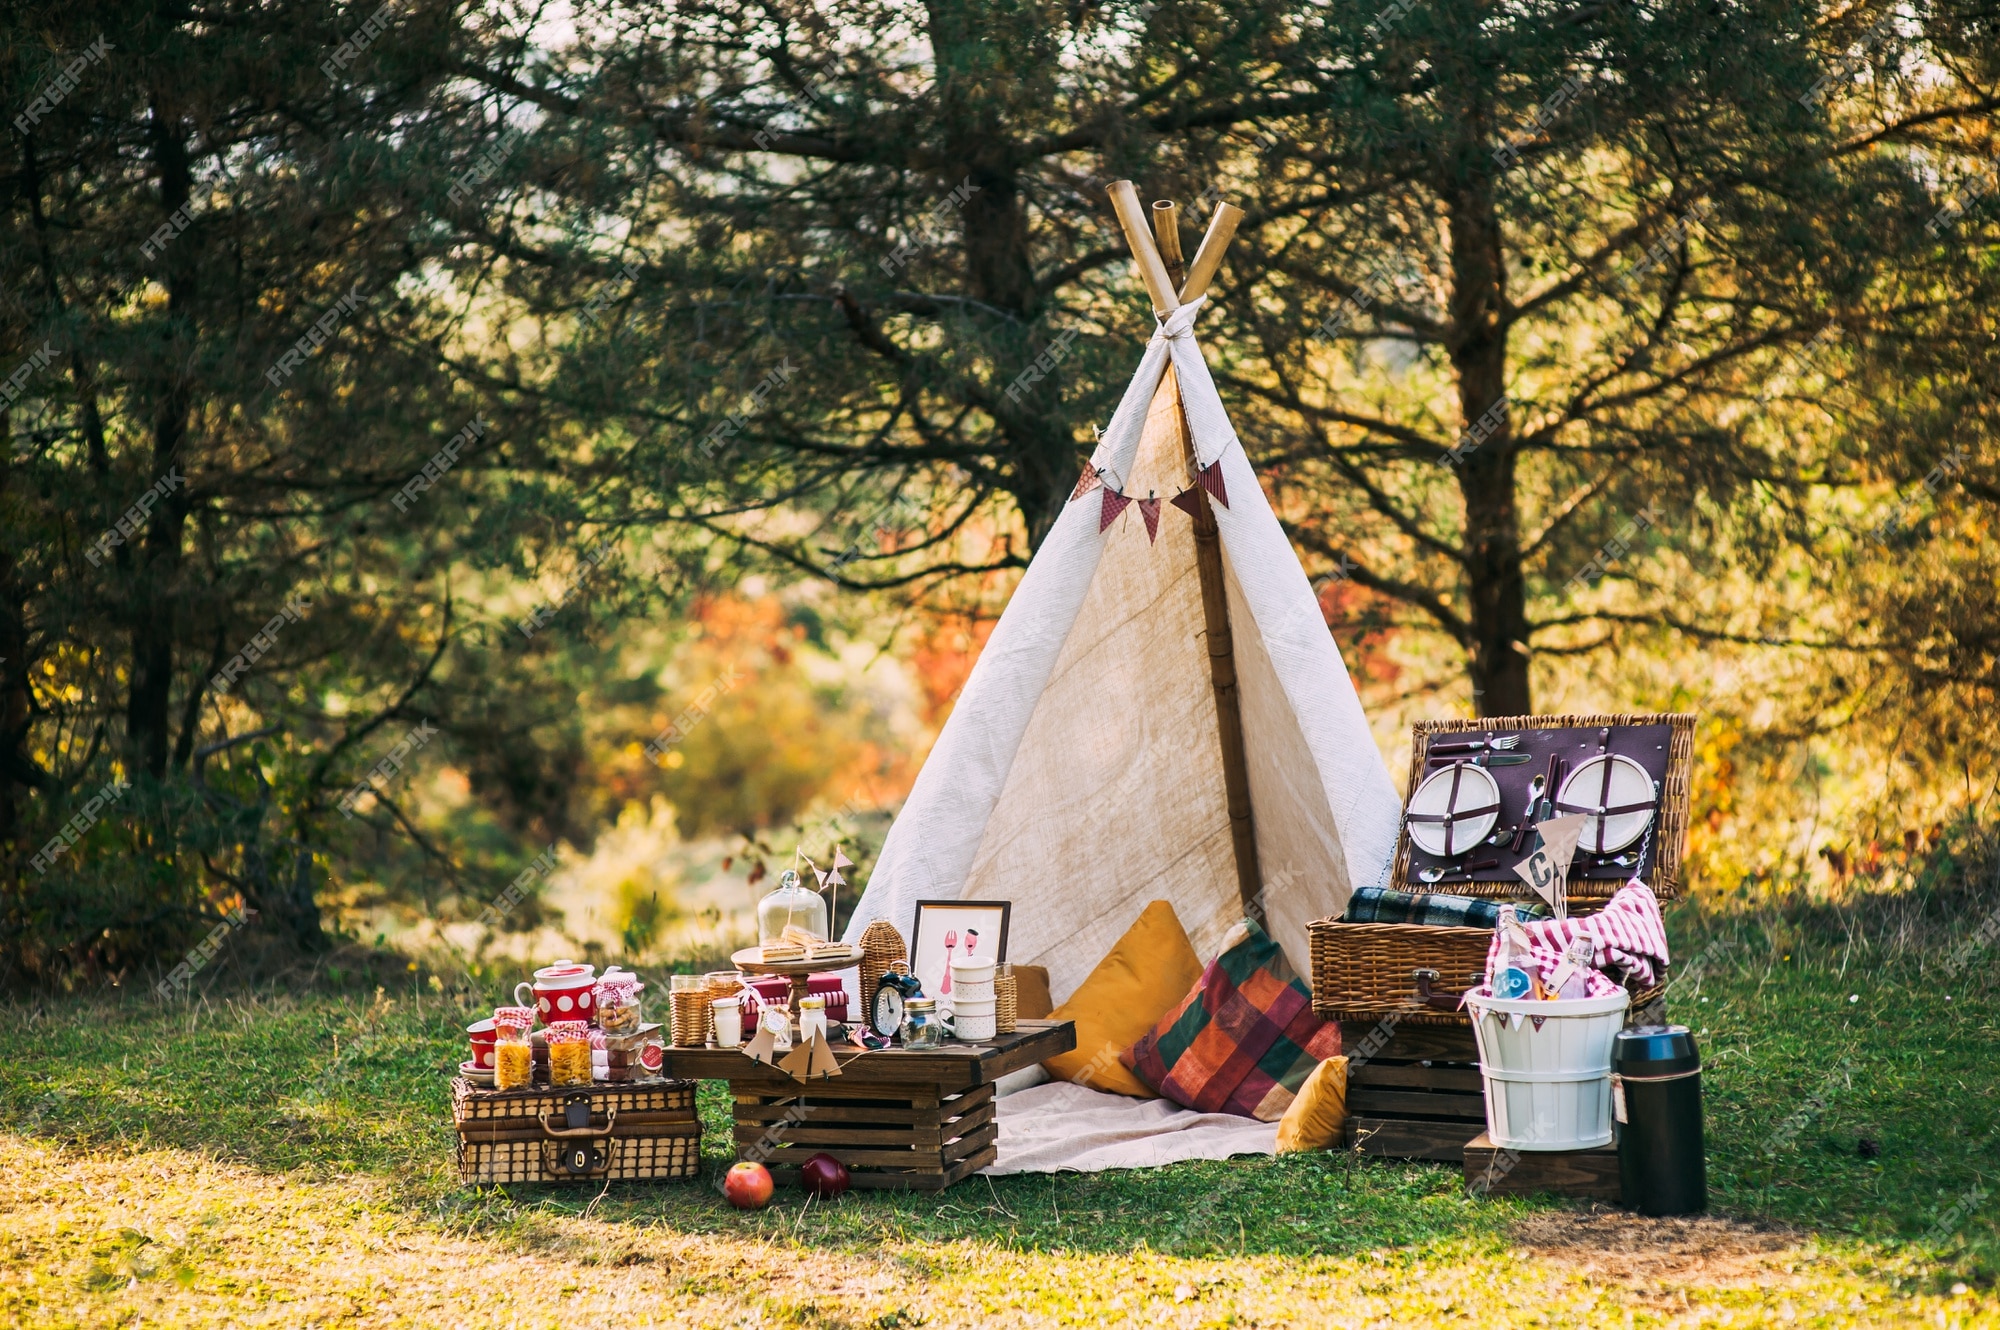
[
  {"x": 1453, "y": 810},
  {"x": 1617, "y": 796}
]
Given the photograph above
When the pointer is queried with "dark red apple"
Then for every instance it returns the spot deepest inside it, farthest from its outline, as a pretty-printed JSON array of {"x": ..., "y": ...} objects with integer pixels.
[
  {"x": 748, "y": 1186},
  {"x": 823, "y": 1175}
]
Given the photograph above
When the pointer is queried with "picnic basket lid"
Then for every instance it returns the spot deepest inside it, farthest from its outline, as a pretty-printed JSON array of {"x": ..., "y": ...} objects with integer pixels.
[{"x": 1659, "y": 744}]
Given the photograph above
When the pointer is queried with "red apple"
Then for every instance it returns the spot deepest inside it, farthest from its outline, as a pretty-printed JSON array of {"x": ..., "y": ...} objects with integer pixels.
[
  {"x": 823, "y": 1175},
  {"x": 748, "y": 1186}
]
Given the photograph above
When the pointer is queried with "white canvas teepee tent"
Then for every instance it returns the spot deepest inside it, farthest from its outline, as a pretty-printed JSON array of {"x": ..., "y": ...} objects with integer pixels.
[{"x": 1151, "y": 720}]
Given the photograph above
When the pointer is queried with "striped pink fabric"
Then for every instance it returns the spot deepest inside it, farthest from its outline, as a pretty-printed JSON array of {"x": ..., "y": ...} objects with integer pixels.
[{"x": 1628, "y": 932}]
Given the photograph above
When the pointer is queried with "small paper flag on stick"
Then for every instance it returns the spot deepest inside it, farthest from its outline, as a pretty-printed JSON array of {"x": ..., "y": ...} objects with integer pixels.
[
  {"x": 840, "y": 860},
  {"x": 1210, "y": 479},
  {"x": 1114, "y": 504},
  {"x": 1086, "y": 482},
  {"x": 1149, "y": 509},
  {"x": 1559, "y": 838},
  {"x": 1547, "y": 869}
]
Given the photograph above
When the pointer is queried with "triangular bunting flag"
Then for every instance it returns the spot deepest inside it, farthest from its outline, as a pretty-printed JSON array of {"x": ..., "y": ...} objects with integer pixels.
[
  {"x": 840, "y": 860},
  {"x": 1114, "y": 504},
  {"x": 761, "y": 1044},
  {"x": 1085, "y": 483},
  {"x": 1188, "y": 501},
  {"x": 1210, "y": 479},
  {"x": 820, "y": 873},
  {"x": 824, "y": 1064},
  {"x": 1150, "y": 510}
]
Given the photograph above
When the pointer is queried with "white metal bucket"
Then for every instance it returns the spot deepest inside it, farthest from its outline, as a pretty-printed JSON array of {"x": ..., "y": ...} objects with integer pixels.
[{"x": 1548, "y": 1082}]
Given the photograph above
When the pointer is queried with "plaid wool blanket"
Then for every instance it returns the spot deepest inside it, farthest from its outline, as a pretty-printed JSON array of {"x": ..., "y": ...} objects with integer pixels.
[{"x": 1380, "y": 905}]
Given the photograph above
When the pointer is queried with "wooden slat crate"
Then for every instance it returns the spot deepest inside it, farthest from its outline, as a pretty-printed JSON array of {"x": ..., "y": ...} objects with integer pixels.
[
  {"x": 1589, "y": 1174},
  {"x": 914, "y": 1119},
  {"x": 625, "y": 1133},
  {"x": 917, "y": 1141},
  {"x": 1413, "y": 1091}
]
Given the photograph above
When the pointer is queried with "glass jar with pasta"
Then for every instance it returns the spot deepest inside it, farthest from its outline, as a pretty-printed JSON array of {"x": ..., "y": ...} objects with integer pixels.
[
  {"x": 513, "y": 1048},
  {"x": 569, "y": 1053}
]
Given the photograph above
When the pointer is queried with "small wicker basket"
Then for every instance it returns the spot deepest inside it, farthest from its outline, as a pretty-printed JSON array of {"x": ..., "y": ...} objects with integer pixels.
[
  {"x": 1006, "y": 999},
  {"x": 689, "y": 1018},
  {"x": 721, "y": 984},
  {"x": 881, "y": 946}
]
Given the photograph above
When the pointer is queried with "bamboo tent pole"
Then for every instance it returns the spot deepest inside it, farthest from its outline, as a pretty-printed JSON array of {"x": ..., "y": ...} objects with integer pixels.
[
  {"x": 1167, "y": 233},
  {"x": 1153, "y": 272},
  {"x": 1208, "y": 258},
  {"x": 1154, "y": 267}
]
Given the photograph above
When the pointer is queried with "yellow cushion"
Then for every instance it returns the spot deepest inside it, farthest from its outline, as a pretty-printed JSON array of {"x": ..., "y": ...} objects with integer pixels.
[
  {"x": 1314, "y": 1120},
  {"x": 1143, "y": 977}
]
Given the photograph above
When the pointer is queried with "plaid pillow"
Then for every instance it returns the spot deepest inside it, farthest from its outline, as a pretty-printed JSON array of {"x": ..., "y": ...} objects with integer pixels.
[{"x": 1243, "y": 1040}]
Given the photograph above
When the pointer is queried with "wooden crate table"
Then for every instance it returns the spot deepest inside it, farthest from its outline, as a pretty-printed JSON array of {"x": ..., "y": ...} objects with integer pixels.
[{"x": 903, "y": 1119}]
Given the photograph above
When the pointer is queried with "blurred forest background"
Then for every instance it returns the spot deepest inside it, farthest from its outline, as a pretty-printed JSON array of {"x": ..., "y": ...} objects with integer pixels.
[{"x": 444, "y": 437}]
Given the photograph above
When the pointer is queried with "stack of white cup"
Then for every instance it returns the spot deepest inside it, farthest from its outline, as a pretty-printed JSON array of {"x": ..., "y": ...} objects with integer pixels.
[{"x": 972, "y": 1009}]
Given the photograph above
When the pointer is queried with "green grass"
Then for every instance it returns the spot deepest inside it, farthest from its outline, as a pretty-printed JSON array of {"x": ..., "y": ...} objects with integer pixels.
[{"x": 341, "y": 1097}]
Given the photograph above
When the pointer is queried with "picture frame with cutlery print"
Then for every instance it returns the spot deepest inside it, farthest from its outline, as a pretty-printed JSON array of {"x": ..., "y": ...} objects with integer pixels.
[{"x": 948, "y": 930}]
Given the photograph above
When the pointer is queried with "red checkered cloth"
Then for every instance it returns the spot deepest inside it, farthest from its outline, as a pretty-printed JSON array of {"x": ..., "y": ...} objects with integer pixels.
[{"x": 1243, "y": 1040}]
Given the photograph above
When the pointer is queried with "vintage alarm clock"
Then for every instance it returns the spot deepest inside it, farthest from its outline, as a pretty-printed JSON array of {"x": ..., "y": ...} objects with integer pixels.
[{"x": 885, "y": 1009}]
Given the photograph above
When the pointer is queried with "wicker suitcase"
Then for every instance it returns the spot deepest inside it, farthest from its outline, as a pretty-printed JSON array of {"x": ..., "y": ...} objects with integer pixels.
[
  {"x": 1416, "y": 972},
  {"x": 621, "y": 1133}
]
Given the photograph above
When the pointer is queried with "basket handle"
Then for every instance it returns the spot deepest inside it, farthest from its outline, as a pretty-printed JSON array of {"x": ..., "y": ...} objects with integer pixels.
[
  {"x": 1438, "y": 1001},
  {"x": 556, "y": 1160},
  {"x": 559, "y": 1133}
]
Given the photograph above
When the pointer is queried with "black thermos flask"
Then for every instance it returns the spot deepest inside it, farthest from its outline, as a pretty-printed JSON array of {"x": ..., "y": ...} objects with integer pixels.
[{"x": 1656, "y": 1074}]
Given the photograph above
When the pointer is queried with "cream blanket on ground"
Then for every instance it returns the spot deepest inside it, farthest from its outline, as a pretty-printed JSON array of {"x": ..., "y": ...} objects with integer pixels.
[{"x": 1062, "y": 1127}]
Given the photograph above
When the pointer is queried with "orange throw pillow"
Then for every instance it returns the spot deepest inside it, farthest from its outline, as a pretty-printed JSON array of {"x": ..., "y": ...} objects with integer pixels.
[{"x": 1143, "y": 977}]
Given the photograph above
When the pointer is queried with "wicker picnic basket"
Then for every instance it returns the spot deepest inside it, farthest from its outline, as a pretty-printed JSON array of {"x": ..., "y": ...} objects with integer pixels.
[
  {"x": 619, "y": 1133},
  {"x": 1416, "y": 972}
]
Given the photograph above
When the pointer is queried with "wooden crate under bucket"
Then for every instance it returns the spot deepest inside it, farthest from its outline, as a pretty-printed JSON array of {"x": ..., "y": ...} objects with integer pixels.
[
  {"x": 624, "y": 1133},
  {"x": 1413, "y": 1091}
]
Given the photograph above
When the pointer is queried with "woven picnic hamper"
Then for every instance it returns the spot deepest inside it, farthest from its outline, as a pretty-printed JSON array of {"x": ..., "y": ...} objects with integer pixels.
[
  {"x": 618, "y": 1133},
  {"x": 1416, "y": 972}
]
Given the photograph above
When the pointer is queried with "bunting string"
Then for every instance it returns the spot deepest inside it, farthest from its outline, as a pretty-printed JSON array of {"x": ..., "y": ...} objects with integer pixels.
[{"x": 1207, "y": 480}]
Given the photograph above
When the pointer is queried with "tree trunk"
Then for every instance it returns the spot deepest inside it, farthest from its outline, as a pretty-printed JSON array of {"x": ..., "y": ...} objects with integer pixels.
[
  {"x": 148, "y": 715},
  {"x": 17, "y": 770},
  {"x": 999, "y": 260},
  {"x": 1496, "y": 585}
]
